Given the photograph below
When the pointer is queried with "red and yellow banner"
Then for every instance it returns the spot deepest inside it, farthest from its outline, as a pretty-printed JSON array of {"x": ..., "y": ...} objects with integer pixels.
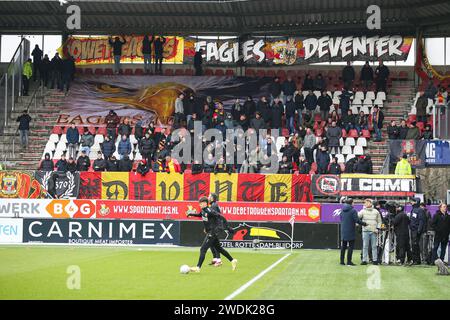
[
  {"x": 97, "y": 50},
  {"x": 232, "y": 211},
  {"x": 178, "y": 187}
]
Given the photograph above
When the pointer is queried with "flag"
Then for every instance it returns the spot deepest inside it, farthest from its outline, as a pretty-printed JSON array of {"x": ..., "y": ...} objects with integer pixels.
[{"x": 292, "y": 220}]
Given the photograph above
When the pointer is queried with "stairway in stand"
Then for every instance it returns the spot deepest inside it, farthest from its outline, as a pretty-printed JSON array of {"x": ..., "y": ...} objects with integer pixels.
[
  {"x": 397, "y": 106},
  {"x": 44, "y": 117}
]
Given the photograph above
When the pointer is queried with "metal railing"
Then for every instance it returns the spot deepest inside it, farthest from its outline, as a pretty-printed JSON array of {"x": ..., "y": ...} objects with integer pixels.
[
  {"x": 441, "y": 122},
  {"x": 11, "y": 82}
]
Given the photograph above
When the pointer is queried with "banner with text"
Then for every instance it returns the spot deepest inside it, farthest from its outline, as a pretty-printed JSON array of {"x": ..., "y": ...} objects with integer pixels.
[
  {"x": 297, "y": 50},
  {"x": 233, "y": 211},
  {"x": 414, "y": 149},
  {"x": 363, "y": 185}
]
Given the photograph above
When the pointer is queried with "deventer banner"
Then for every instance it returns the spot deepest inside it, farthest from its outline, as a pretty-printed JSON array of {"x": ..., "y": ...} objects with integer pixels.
[{"x": 233, "y": 211}]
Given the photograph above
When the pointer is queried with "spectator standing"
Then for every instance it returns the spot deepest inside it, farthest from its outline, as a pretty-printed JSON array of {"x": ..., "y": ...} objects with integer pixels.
[
  {"x": 37, "y": 59},
  {"x": 24, "y": 128},
  {"x": 299, "y": 106},
  {"x": 403, "y": 167},
  {"x": 361, "y": 122},
  {"x": 403, "y": 130},
  {"x": 198, "y": 61},
  {"x": 382, "y": 75},
  {"x": 344, "y": 101},
  {"x": 139, "y": 130},
  {"x": 99, "y": 163},
  {"x": 289, "y": 87},
  {"x": 319, "y": 83},
  {"x": 56, "y": 70},
  {"x": 73, "y": 139},
  {"x": 179, "y": 111},
  {"x": 401, "y": 230},
  {"x": 334, "y": 134},
  {"x": 324, "y": 102},
  {"x": 159, "y": 53},
  {"x": 124, "y": 148},
  {"x": 250, "y": 107},
  {"x": 108, "y": 147},
  {"x": 349, "y": 218},
  {"x": 275, "y": 89},
  {"x": 86, "y": 141},
  {"x": 348, "y": 76},
  {"x": 417, "y": 225},
  {"x": 117, "y": 45},
  {"x": 61, "y": 164},
  {"x": 366, "y": 76},
  {"x": 26, "y": 76},
  {"x": 421, "y": 108},
  {"x": 372, "y": 218},
  {"x": 308, "y": 83},
  {"x": 45, "y": 70},
  {"x": 393, "y": 131},
  {"x": 441, "y": 226},
  {"x": 67, "y": 71},
  {"x": 47, "y": 163},
  {"x": 277, "y": 114},
  {"x": 290, "y": 109},
  {"x": 377, "y": 120},
  {"x": 125, "y": 128},
  {"x": 413, "y": 132},
  {"x": 308, "y": 145},
  {"x": 147, "y": 53},
  {"x": 311, "y": 103},
  {"x": 83, "y": 162},
  {"x": 323, "y": 159},
  {"x": 112, "y": 121}
]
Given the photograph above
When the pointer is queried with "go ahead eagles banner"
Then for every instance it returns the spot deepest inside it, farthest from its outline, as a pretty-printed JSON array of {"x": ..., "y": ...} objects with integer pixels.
[
  {"x": 178, "y": 187},
  {"x": 97, "y": 50},
  {"x": 291, "y": 51}
]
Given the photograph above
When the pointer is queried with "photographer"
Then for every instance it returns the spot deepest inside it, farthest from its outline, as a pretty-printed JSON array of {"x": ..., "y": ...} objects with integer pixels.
[
  {"x": 417, "y": 226},
  {"x": 372, "y": 218},
  {"x": 401, "y": 229},
  {"x": 349, "y": 217}
]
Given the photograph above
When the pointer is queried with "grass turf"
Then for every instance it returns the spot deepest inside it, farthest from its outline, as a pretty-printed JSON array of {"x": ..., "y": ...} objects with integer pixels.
[{"x": 39, "y": 272}]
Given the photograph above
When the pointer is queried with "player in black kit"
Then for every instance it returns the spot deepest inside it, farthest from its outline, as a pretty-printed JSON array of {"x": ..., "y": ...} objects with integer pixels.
[
  {"x": 223, "y": 223},
  {"x": 212, "y": 222}
]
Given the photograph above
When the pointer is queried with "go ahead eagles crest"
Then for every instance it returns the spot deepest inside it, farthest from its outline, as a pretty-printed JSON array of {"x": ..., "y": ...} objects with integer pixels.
[
  {"x": 285, "y": 52},
  {"x": 9, "y": 183}
]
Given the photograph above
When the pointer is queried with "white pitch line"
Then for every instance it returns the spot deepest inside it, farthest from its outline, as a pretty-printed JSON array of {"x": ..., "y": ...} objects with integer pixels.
[{"x": 256, "y": 278}]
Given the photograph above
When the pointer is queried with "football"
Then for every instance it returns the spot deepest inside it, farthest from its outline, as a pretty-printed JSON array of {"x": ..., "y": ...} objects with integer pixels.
[{"x": 184, "y": 269}]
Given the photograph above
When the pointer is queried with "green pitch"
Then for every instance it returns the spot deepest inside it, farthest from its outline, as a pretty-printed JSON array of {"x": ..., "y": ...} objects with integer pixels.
[{"x": 39, "y": 272}]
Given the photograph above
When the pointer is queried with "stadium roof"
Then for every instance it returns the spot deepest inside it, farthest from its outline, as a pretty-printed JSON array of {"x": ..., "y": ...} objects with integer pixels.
[{"x": 232, "y": 17}]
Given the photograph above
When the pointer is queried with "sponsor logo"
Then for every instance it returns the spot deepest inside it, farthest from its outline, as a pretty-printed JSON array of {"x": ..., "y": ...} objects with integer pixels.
[
  {"x": 9, "y": 185},
  {"x": 313, "y": 213},
  {"x": 248, "y": 236},
  {"x": 11, "y": 230},
  {"x": 104, "y": 210},
  {"x": 71, "y": 208},
  {"x": 328, "y": 184},
  {"x": 89, "y": 231}
]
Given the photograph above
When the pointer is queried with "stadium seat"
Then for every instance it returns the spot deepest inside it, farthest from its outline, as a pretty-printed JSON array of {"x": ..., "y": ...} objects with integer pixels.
[
  {"x": 138, "y": 72},
  {"x": 317, "y": 93},
  {"x": 249, "y": 73},
  {"x": 109, "y": 72},
  {"x": 168, "y": 72},
  {"x": 346, "y": 150},
  {"x": 50, "y": 146},
  {"x": 88, "y": 71},
  {"x": 403, "y": 75},
  {"x": 358, "y": 150},
  {"x": 378, "y": 102},
  {"x": 368, "y": 102},
  {"x": 270, "y": 73},
  {"x": 381, "y": 95},
  {"x": 179, "y": 72},
  {"x": 357, "y": 101},
  {"x": 350, "y": 141},
  {"x": 188, "y": 72},
  {"x": 353, "y": 133},
  {"x": 229, "y": 73},
  {"x": 337, "y": 93},
  {"x": 341, "y": 142},
  {"x": 366, "y": 134},
  {"x": 219, "y": 72},
  {"x": 54, "y": 138},
  {"x": 128, "y": 72},
  {"x": 370, "y": 95},
  {"x": 359, "y": 95},
  {"x": 340, "y": 158},
  {"x": 354, "y": 108},
  {"x": 208, "y": 72},
  {"x": 98, "y": 72},
  {"x": 344, "y": 133},
  {"x": 361, "y": 141},
  {"x": 365, "y": 109},
  {"x": 63, "y": 138},
  {"x": 261, "y": 73},
  {"x": 349, "y": 156}
]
